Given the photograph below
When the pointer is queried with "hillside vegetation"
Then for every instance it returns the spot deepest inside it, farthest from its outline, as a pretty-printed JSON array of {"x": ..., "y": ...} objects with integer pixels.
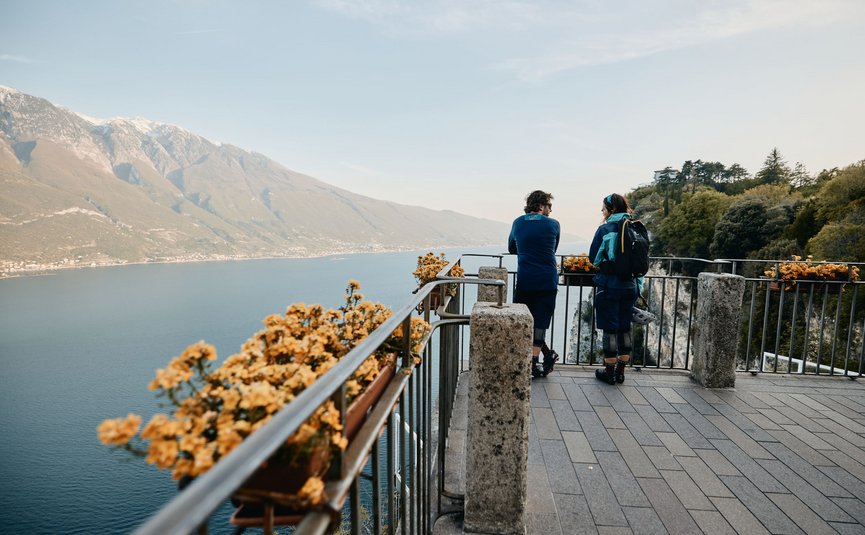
[{"x": 710, "y": 210}]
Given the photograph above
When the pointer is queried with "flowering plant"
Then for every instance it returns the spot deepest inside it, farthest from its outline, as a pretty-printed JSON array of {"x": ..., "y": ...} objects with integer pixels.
[
  {"x": 578, "y": 264},
  {"x": 807, "y": 269},
  {"x": 429, "y": 266},
  {"x": 216, "y": 409}
]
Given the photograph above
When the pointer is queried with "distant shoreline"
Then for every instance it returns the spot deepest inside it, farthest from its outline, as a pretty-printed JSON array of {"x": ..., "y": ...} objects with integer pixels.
[{"x": 38, "y": 270}]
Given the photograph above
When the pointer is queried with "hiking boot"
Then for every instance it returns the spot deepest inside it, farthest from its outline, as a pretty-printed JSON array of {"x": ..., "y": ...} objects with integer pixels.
[
  {"x": 620, "y": 371},
  {"x": 607, "y": 375},
  {"x": 537, "y": 368},
  {"x": 550, "y": 359}
]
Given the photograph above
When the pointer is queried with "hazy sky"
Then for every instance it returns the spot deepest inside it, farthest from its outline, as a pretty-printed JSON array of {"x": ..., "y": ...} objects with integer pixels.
[{"x": 459, "y": 104}]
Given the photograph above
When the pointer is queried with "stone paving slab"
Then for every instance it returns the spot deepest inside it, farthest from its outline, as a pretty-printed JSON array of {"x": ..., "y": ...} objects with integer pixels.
[{"x": 661, "y": 454}]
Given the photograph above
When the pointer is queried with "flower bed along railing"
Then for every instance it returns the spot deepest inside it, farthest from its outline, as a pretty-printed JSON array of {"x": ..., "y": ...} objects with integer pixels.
[{"x": 229, "y": 422}]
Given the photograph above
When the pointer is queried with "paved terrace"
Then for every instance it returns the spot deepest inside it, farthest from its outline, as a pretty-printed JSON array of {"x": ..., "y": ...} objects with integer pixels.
[{"x": 661, "y": 454}]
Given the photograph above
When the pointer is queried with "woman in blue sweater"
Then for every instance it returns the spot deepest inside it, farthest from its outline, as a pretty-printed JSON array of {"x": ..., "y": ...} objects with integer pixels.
[
  {"x": 534, "y": 239},
  {"x": 614, "y": 295}
]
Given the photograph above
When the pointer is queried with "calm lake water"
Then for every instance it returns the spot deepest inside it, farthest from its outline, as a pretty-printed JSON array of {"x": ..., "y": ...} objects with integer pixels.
[{"x": 79, "y": 346}]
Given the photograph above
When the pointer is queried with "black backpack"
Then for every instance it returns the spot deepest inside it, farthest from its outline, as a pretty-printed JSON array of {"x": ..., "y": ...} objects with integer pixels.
[{"x": 632, "y": 249}]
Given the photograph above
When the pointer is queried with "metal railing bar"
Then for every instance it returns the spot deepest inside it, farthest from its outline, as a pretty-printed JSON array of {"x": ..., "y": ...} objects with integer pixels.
[
  {"x": 793, "y": 328},
  {"x": 376, "y": 487},
  {"x": 410, "y": 474},
  {"x": 403, "y": 469},
  {"x": 822, "y": 328},
  {"x": 862, "y": 349},
  {"x": 355, "y": 506},
  {"x": 765, "y": 323},
  {"x": 675, "y": 323},
  {"x": 391, "y": 467},
  {"x": 836, "y": 321},
  {"x": 807, "y": 328},
  {"x": 661, "y": 322},
  {"x": 357, "y": 452},
  {"x": 691, "y": 305},
  {"x": 850, "y": 328},
  {"x": 779, "y": 323},
  {"x": 751, "y": 310}
]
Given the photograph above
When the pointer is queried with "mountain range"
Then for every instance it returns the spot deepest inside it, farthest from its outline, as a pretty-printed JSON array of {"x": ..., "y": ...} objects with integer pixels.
[{"x": 80, "y": 191}]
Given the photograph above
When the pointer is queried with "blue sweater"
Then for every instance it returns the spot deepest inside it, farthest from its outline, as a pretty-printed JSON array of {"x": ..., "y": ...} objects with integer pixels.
[{"x": 534, "y": 239}]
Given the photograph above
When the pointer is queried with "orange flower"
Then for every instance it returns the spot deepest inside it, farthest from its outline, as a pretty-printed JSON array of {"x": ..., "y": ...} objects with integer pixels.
[
  {"x": 578, "y": 264},
  {"x": 119, "y": 431},
  {"x": 216, "y": 409}
]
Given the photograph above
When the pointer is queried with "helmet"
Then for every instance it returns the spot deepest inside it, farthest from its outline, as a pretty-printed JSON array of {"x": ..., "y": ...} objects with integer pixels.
[{"x": 643, "y": 317}]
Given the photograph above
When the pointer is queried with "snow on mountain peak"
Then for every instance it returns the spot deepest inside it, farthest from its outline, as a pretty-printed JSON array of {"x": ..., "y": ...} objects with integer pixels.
[{"x": 92, "y": 120}]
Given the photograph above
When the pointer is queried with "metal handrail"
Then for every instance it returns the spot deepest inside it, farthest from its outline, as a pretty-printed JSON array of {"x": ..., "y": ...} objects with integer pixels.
[
  {"x": 192, "y": 507},
  {"x": 671, "y": 336}
]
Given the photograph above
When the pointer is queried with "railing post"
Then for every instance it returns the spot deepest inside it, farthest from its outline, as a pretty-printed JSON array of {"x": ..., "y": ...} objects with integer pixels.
[
  {"x": 719, "y": 302},
  {"x": 498, "y": 419},
  {"x": 488, "y": 292}
]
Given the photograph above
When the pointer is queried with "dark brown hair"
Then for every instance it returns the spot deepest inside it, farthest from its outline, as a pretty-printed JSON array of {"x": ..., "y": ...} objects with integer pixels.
[
  {"x": 616, "y": 204},
  {"x": 536, "y": 199}
]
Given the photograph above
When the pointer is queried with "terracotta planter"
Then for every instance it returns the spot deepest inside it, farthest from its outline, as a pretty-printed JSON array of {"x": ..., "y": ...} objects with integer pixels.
[
  {"x": 281, "y": 482},
  {"x": 275, "y": 486},
  {"x": 357, "y": 412},
  {"x": 805, "y": 286},
  {"x": 254, "y": 515},
  {"x": 578, "y": 279},
  {"x": 269, "y": 496},
  {"x": 435, "y": 298}
]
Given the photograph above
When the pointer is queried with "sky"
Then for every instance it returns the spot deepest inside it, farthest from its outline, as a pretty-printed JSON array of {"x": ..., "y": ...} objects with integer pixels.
[{"x": 465, "y": 105}]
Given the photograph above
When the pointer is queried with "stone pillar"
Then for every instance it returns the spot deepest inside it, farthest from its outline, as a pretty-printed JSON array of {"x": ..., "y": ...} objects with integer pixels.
[
  {"x": 719, "y": 303},
  {"x": 491, "y": 293},
  {"x": 497, "y": 449}
]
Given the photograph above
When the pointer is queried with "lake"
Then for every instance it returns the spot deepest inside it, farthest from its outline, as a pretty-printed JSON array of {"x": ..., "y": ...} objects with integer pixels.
[{"x": 79, "y": 346}]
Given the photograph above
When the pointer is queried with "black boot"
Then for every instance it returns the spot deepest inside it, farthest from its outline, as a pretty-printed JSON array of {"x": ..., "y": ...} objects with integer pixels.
[
  {"x": 607, "y": 375},
  {"x": 550, "y": 358},
  {"x": 620, "y": 371},
  {"x": 537, "y": 369}
]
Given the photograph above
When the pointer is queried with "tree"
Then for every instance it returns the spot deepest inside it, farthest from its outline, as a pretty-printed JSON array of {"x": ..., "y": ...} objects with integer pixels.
[
  {"x": 800, "y": 178},
  {"x": 841, "y": 204},
  {"x": 780, "y": 249},
  {"x": 843, "y": 193},
  {"x": 775, "y": 170},
  {"x": 740, "y": 229},
  {"x": 756, "y": 218},
  {"x": 685, "y": 176},
  {"x": 708, "y": 173},
  {"x": 690, "y": 227},
  {"x": 805, "y": 225},
  {"x": 734, "y": 173},
  {"x": 839, "y": 241},
  {"x": 666, "y": 183}
]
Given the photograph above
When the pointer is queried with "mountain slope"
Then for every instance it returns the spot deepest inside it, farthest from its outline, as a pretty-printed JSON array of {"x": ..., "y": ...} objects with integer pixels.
[{"x": 77, "y": 191}]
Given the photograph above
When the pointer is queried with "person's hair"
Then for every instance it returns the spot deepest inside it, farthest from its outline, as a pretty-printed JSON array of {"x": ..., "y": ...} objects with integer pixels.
[
  {"x": 536, "y": 199},
  {"x": 616, "y": 204}
]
